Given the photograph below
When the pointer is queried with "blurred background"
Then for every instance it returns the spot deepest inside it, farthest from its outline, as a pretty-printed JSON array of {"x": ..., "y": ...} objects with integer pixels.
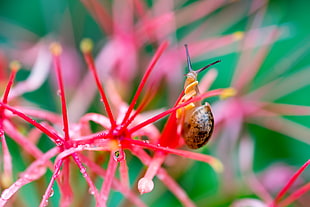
[{"x": 264, "y": 48}]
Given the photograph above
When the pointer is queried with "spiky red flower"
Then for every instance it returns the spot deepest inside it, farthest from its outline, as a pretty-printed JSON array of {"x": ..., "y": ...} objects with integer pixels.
[{"x": 123, "y": 129}]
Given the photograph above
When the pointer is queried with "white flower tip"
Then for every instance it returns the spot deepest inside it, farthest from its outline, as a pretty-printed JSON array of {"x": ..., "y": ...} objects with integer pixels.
[{"x": 145, "y": 185}]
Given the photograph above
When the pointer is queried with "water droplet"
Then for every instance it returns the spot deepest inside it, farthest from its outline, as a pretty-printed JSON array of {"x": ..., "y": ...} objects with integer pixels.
[
  {"x": 1, "y": 132},
  {"x": 119, "y": 155},
  {"x": 6, "y": 194},
  {"x": 51, "y": 192},
  {"x": 101, "y": 100},
  {"x": 83, "y": 171},
  {"x": 145, "y": 185},
  {"x": 91, "y": 191},
  {"x": 57, "y": 173},
  {"x": 58, "y": 92},
  {"x": 45, "y": 203},
  {"x": 19, "y": 182},
  {"x": 58, "y": 142},
  {"x": 27, "y": 177}
]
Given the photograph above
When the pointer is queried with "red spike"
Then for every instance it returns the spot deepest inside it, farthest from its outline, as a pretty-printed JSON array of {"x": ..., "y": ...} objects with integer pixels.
[
  {"x": 158, "y": 53},
  {"x": 14, "y": 68},
  {"x": 56, "y": 51},
  {"x": 295, "y": 195},
  {"x": 290, "y": 183},
  {"x": 216, "y": 92},
  {"x": 50, "y": 134},
  {"x": 91, "y": 65},
  {"x": 146, "y": 100}
]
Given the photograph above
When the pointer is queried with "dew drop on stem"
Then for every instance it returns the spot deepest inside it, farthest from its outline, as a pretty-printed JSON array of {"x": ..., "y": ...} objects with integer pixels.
[
  {"x": 83, "y": 171},
  {"x": 91, "y": 191},
  {"x": 119, "y": 155},
  {"x": 6, "y": 194},
  {"x": 45, "y": 203},
  {"x": 51, "y": 192}
]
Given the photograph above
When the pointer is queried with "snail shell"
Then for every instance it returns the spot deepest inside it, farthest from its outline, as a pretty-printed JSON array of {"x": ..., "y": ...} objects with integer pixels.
[{"x": 198, "y": 130}]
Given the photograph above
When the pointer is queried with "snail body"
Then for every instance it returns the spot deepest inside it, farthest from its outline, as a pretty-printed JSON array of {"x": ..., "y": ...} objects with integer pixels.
[
  {"x": 198, "y": 130},
  {"x": 196, "y": 119}
]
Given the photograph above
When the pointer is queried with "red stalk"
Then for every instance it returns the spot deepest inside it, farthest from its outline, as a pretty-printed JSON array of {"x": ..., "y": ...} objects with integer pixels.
[
  {"x": 107, "y": 183},
  {"x": 146, "y": 100},
  {"x": 290, "y": 183},
  {"x": 90, "y": 62},
  {"x": 215, "y": 163},
  {"x": 56, "y": 51},
  {"x": 157, "y": 55},
  {"x": 91, "y": 185},
  {"x": 7, "y": 159},
  {"x": 48, "y": 190},
  {"x": 294, "y": 196},
  {"x": 116, "y": 184},
  {"x": 53, "y": 136},
  {"x": 215, "y": 92},
  {"x": 14, "y": 68}
]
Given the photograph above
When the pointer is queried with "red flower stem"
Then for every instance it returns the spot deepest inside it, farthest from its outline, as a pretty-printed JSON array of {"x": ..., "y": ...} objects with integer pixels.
[
  {"x": 41, "y": 114},
  {"x": 215, "y": 163},
  {"x": 7, "y": 159},
  {"x": 23, "y": 141},
  {"x": 48, "y": 190},
  {"x": 33, "y": 172},
  {"x": 116, "y": 184},
  {"x": 157, "y": 55},
  {"x": 66, "y": 189},
  {"x": 294, "y": 196},
  {"x": 92, "y": 186},
  {"x": 53, "y": 136},
  {"x": 14, "y": 70},
  {"x": 169, "y": 111},
  {"x": 56, "y": 59},
  {"x": 123, "y": 171},
  {"x": 290, "y": 183},
  {"x": 89, "y": 139},
  {"x": 106, "y": 186},
  {"x": 175, "y": 188},
  {"x": 165, "y": 178},
  {"x": 154, "y": 165},
  {"x": 90, "y": 62},
  {"x": 146, "y": 100}
]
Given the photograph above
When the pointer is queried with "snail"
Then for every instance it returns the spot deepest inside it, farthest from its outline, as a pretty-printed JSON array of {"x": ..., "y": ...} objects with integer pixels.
[{"x": 196, "y": 119}]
